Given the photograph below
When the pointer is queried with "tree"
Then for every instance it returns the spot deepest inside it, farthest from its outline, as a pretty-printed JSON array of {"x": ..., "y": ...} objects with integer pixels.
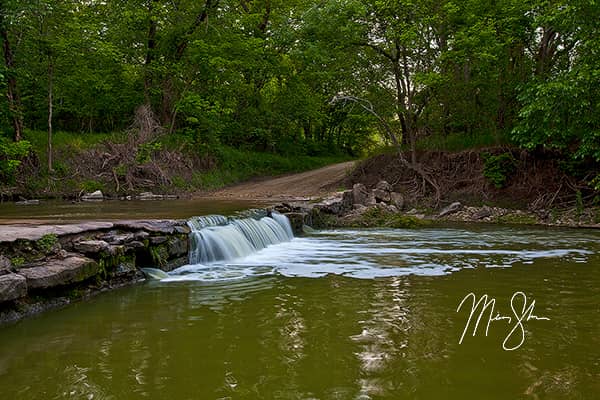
[
  {"x": 561, "y": 103},
  {"x": 12, "y": 93}
]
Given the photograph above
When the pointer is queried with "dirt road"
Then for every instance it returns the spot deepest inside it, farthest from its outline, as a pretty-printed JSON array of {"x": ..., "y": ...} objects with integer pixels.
[{"x": 302, "y": 186}]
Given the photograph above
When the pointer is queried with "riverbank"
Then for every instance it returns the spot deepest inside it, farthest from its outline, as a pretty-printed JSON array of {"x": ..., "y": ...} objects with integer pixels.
[
  {"x": 492, "y": 185},
  {"x": 50, "y": 265},
  {"x": 381, "y": 206},
  {"x": 45, "y": 266}
]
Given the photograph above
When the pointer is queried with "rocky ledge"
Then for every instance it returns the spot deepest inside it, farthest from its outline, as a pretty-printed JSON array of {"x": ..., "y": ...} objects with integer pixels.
[
  {"x": 45, "y": 266},
  {"x": 381, "y": 206}
]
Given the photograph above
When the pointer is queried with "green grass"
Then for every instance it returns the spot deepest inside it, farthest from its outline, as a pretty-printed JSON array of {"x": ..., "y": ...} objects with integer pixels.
[
  {"x": 232, "y": 165},
  {"x": 60, "y": 139}
]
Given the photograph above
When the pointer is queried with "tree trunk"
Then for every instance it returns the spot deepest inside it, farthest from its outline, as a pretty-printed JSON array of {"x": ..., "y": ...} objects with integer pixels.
[
  {"x": 50, "y": 111},
  {"x": 262, "y": 27},
  {"x": 150, "y": 49},
  {"x": 546, "y": 51},
  {"x": 14, "y": 100},
  {"x": 200, "y": 18}
]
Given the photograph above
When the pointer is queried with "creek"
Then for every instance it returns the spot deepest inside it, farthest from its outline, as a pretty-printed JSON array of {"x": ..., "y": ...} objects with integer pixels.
[{"x": 334, "y": 314}]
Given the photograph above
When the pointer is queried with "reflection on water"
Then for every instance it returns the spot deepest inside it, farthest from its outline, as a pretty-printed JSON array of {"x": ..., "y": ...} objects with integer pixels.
[
  {"x": 64, "y": 211},
  {"x": 281, "y": 337}
]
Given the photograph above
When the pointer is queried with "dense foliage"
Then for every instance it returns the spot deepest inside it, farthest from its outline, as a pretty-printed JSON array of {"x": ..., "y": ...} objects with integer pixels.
[{"x": 308, "y": 78}]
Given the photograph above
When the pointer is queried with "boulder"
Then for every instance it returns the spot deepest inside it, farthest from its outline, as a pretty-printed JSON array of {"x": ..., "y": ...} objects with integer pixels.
[
  {"x": 484, "y": 212},
  {"x": 116, "y": 238},
  {"x": 27, "y": 202},
  {"x": 297, "y": 221},
  {"x": 12, "y": 287},
  {"x": 451, "y": 209},
  {"x": 5, "y": 265},
  {"x": 116, "y": 250},
  {"x": 397, "y": 200},
  {"x": 141, "y": 235},
  {"x": 60, "y": 272},
  {"x": 157, "y": 226},
  {"x": 347, "y": 200},
  {"x": 360, "y": 194},
  {"x": 330, "y": 206},
  {"x": 384, "y": 186},
  {"x": 94, "y": 196},
  {"x": 371, "y": 201},
  {"x": 91, "y": 246},
  {"x": 124, "y": 270},
  {"x": 155, "y": 240},
  {"x": 387, "y": 208},
  {"x": 11, "y": 233},
  {"x": 134, "y": 244},
  {"x": 381, "y": 196},
  {"x": 152, "y": 196},
  {"x": 182, "y": 229},
  {"x": 382, "y": 192},
  {"x": 178, "y": 247},
  {"x": 339, "y": 204},
  {"x": 149, "y": 196}
]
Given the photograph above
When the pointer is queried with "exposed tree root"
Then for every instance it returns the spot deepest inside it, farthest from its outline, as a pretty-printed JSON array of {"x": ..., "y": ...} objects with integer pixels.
[{"x": 537, "y": 183}]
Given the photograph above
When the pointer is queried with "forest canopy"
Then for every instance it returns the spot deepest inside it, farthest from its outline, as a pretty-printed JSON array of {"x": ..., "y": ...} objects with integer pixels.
[{"x": 307, "y": 77}]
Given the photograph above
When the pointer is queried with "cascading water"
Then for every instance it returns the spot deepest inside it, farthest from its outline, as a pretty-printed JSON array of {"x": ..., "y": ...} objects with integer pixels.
[{"x": 217, "y": 238}]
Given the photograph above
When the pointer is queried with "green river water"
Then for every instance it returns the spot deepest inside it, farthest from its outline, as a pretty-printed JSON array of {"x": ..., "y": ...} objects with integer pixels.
[{"x": 344, "y": 314}]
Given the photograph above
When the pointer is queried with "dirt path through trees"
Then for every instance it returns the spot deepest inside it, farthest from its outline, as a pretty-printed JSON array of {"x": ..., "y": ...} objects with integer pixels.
[{"x": 302, "y": 186}]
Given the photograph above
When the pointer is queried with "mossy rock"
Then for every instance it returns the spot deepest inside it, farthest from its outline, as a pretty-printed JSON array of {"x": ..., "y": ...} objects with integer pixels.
[
  {"x": 160, "y": 255},
  {"x": 517, "y": 219},
  {"x": 46, "y": 243}
]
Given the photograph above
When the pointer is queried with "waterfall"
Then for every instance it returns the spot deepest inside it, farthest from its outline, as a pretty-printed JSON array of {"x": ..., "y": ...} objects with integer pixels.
[{"x": 218, "y": 238}]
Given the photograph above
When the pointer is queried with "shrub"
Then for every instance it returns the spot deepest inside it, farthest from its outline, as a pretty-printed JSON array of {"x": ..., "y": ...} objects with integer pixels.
[
  {"x": 11, "y": 154},
  {"x": 91, "y": 185},
  {"x": 498, "y": 168}
]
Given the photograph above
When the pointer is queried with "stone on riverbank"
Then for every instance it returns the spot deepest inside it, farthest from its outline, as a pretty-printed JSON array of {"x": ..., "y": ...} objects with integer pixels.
[
  {"x": 397, "y": 200},
  {"x": 5, "y": 265},
  {"x": 60, "y": 272},
  {"x": 341, "y": 203},
  {"x": 46, "y": 266},
  {"x": 156, "y": 226},
  {"x": 360, "y": 194},
  {"x": 382, "y": 192},
  {"x": 90, "y": 246},
  {"x": 451, "y": 209},
  {"x": 94, "y": 196},
  {"x": 12, "y": 287}
]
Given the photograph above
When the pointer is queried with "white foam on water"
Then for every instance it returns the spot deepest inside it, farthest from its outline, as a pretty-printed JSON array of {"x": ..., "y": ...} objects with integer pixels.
[
  {"x": 217, "y": 238},
  {"x": 369, "y": 254}
]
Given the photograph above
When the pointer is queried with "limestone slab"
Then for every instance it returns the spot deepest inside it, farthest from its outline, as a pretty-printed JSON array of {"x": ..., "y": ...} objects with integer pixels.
[{"x": 58, "y": 272}]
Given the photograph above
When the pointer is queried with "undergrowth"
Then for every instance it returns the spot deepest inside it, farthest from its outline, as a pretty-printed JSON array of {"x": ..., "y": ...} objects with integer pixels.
[{"x": 186, "y": 166}]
